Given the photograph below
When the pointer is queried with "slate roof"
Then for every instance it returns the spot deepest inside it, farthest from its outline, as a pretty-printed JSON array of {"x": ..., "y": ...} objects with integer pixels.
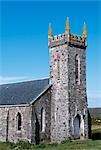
[{"x": 23, "y": 92}]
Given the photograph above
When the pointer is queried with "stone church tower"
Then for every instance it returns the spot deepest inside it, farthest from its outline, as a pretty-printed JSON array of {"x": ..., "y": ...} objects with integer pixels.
[
  {"x": 52, "y": 109},
  {"x": 69, "y": 117}
]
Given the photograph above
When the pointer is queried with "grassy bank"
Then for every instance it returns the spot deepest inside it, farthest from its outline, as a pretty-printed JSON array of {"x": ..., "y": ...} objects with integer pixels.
[
  {"x": 66, "y": 145},
  {"x": 96, "y": 132}
]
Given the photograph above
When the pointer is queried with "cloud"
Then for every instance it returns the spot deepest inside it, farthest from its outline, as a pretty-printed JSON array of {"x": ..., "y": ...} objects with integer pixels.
[{"x": 5, "y": 80}]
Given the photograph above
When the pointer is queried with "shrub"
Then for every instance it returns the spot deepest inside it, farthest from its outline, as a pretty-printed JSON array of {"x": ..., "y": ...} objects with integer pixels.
[
  {"x": 66, "y": 141},
  {"x": 23, "y": 144},
  {"x": 41, "y": 145},
  {"x": 54, "y": 144},
  {"x": 96, "y": 121}
]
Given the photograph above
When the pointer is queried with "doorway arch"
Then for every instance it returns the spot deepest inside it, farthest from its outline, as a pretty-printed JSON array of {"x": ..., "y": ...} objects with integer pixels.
[
  {"x": 76, "y": 124},
  {"x": 37, "y": 130}
]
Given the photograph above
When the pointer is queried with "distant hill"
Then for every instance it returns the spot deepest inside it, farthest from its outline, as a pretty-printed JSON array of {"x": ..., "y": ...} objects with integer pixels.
[{"x": 95, "y": 112}]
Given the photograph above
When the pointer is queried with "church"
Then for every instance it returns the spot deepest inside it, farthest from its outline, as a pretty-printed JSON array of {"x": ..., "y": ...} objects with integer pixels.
[{"x": 52, "y": 109}]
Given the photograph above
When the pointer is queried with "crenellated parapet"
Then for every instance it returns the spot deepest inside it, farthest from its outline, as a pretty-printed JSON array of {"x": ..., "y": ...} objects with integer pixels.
[
  {"x": 77, "y": 40},
  {"x": 67, "y": 37}
]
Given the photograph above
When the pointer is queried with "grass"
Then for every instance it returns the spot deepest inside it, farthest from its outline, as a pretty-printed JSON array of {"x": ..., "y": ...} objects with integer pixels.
[
  {"x": 96, "y": 132},
  {"x": 96, "y": 128},
  {"x": 66, "y": 145}
]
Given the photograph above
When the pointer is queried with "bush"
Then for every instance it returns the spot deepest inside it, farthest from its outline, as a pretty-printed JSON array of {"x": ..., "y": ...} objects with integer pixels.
[
  {"x": 23, "y": 144},
  {"x": 41, "y": 145},
  {"x": 54, "y": 144},
  {"x": 96, "y": 121},
  {"x": 66, "y": 141}
]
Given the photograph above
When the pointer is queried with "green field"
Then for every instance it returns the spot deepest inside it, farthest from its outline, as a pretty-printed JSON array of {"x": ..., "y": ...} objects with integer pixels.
[{"x": 96, "y": 128}]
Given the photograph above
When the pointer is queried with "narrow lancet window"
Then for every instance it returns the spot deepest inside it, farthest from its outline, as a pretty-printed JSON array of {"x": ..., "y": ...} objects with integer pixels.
[
  {"x": 58, "y": 67},
  {"x": 77, "y": 69},
  {"x": 42, "y": 120},
  {"x": 18, "y": 121}
]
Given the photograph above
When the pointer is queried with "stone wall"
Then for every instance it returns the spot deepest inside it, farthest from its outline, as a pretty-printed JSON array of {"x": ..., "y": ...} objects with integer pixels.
[
  {"x": 77, "y": 91},
  {"x": 8, "y": 123},
  {"x": 44, "y": 101},
  {"x": 68, "y": 98},
  {"x": 59, "y": 97}
]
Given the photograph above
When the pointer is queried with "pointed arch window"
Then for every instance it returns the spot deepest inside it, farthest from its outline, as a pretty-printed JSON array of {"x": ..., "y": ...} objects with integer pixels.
[
  {"x": 77, "y": 69},
  {"x": 18, "y": 121},
  {"x": 58, "y": 66},
  {"x": 42, "y": 119}
]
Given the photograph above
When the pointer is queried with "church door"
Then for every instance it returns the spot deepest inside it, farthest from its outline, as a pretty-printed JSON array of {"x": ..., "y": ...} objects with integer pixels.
[
  {"x": 37, "y": 131},
  {"x": 77, "y": 127}
]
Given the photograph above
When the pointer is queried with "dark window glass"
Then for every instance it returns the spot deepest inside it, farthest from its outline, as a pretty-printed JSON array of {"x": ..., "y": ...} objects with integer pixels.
[
  {"x": 76, "y": 69},
  {"x": 19, "y": 121}
]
